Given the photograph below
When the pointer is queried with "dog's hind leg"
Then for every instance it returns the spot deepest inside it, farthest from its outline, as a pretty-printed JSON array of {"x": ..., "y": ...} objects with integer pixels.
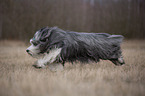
[{"x": 119, "y": 61}]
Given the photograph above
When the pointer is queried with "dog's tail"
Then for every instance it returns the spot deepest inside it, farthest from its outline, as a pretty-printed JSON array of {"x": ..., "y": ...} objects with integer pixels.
[{"x": 117, "y": 38}]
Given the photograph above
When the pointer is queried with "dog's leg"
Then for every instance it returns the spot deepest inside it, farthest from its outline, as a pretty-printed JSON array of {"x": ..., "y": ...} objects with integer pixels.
[
  {"x": 119, "y": 61},
  {"x": 40, "y": 64},
  {"x": 48, "y": 58}
]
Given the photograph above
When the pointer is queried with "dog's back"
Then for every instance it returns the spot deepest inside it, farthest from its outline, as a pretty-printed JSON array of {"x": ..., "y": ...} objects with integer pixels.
[{"x": 91, "y": 46}]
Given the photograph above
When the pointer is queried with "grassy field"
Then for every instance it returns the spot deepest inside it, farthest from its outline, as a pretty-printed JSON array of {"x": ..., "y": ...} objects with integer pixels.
[{"x": 19, "y": 78}]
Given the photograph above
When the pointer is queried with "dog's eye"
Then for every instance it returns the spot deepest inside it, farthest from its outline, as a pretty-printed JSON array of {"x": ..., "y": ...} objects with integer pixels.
[
  {"x": 34, "y": 43},
  {"x": 43, "y": 40}
]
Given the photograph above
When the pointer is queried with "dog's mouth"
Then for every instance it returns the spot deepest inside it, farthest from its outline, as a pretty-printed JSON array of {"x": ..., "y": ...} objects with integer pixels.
[
  {"x": 30, "y": 53},
  {"x": 37, "y": 56}
]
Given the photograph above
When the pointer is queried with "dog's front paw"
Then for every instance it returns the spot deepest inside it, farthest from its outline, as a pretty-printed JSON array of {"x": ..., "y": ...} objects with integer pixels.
[{"x": 38, "y": 65}]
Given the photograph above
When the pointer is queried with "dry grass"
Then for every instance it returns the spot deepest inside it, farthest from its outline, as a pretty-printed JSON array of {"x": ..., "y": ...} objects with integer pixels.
[{"x": 19, "y": 78}]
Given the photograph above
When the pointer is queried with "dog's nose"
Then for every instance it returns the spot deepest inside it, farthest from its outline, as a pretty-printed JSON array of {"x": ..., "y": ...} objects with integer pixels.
[{"x": 27, "y": 50}]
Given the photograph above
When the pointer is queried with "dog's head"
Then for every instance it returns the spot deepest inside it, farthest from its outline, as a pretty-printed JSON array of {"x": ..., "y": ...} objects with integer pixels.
[{"x": 39, "y": 42}]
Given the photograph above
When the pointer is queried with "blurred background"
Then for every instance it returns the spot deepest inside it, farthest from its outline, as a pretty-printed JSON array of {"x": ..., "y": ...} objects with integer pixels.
[{"x": 20, "y": 19}]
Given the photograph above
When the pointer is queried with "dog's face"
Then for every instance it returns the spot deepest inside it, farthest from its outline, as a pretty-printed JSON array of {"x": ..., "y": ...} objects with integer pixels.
[{"x": 39, "y": 42}]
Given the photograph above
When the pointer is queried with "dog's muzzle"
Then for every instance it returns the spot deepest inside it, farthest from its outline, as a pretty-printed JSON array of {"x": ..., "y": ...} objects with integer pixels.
[{"x": 28, "y": 51}]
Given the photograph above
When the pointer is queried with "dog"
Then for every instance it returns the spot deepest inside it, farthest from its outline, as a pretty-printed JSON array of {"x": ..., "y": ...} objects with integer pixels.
[{"x": 54, "y": 45}]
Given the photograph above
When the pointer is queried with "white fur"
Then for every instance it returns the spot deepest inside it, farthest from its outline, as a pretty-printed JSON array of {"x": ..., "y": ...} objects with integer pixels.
[
  {"x": 33, "y": 51},
  {"x": 49, "y": 57},
  {"x": 121, "y": 59}
]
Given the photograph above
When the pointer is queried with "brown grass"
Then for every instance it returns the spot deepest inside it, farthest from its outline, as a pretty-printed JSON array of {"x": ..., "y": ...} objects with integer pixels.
[{"x": 19, "y": 78}]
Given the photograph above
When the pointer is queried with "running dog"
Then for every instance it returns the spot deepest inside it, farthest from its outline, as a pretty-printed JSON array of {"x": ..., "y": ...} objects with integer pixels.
[{"x": 54, "y": 45}]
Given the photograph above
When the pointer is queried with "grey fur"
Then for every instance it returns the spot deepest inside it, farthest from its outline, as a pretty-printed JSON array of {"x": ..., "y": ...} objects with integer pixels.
[{"x": 80, "y": 46}]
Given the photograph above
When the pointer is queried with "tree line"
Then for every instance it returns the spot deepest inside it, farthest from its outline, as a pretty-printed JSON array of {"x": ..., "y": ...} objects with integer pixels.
[{"x": 19, "y": 19}]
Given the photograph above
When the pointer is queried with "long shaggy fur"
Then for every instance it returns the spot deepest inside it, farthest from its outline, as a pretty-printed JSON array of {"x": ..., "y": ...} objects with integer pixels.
[{"x": 82, "y": 47}]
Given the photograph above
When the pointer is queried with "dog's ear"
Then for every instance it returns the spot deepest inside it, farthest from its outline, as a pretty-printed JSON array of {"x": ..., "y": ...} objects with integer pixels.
[
  {"x": 43, "y": 28},
  {"x": 50, "y": 30}
]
